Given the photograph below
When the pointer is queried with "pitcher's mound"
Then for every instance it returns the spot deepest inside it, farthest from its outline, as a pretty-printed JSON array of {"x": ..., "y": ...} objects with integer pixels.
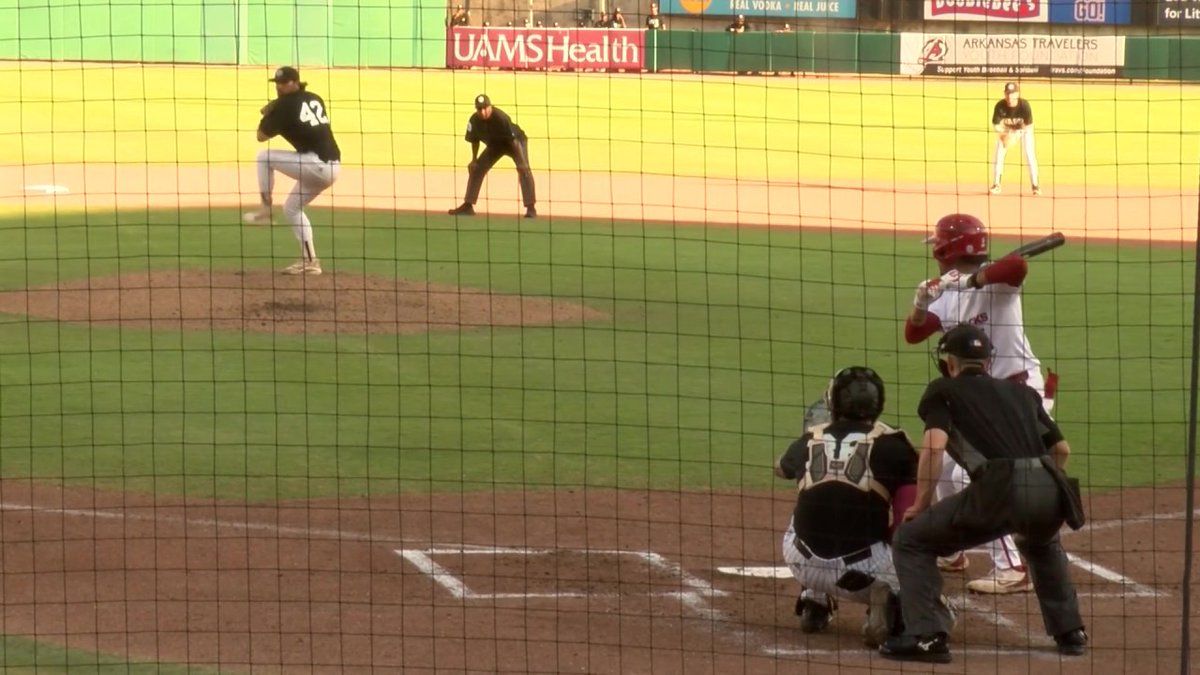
[{"x": 266, "y": 301}]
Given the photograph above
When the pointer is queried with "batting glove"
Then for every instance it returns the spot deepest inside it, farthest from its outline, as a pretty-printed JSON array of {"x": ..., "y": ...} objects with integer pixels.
[
  {"x": 957, "y": 280},
  {"x": 927, "y": 292}
]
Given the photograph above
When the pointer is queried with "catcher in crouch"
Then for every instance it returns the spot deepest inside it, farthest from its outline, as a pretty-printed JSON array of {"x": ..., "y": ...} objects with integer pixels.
[
  {"x": 856, "y": 476},
  {"x": 1012, "y": 118}
]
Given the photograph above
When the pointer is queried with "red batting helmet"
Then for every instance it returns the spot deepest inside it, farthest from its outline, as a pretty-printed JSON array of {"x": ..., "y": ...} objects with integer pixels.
[{"x": 956, "y": 235}]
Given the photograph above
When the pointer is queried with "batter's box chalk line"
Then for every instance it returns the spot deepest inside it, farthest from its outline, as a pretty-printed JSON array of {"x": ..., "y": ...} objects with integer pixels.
[
  {"x": 1129, "y": 587},
  {"x": 423, "y": 559}
]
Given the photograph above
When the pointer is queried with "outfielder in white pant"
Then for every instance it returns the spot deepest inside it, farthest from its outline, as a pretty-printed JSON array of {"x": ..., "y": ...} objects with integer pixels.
[
  {"x": 1012, "y": 118},
  {"x": 312, "y": 177},
  {"x": 1025, "y": 138},
  {"x": 301, "y": 117}
]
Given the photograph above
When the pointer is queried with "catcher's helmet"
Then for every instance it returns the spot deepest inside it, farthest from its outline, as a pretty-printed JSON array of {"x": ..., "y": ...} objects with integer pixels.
[
  {"x": 855, "y": 393},
  {"x": 956, "y": 235}
]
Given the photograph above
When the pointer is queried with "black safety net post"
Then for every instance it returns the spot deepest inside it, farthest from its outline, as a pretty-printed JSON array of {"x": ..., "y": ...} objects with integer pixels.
[{"x": 1190, "y": 480}]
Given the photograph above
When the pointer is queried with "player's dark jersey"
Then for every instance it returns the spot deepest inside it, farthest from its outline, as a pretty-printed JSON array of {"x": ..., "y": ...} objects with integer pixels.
[
  {"x": 1014, "y": 118},
  {"x": 498, "y": 129},
  {"x": 835, "y": 518},
  {"x": 302, "y": 119},
  {"x": 654, "y": 22}
]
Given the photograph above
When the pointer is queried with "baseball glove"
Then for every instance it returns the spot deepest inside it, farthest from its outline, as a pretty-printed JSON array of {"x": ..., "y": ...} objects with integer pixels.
[
  {"x": 1008, "y": 138},
  {"x": 266, "y": 109}
]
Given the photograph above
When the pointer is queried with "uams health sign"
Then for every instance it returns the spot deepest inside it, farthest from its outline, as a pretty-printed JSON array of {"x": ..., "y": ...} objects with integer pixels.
[{"x": 546, "y": 48}]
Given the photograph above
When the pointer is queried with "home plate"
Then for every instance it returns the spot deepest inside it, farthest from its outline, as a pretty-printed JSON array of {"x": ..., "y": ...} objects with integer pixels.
[
  {"x": 765, "y": 572},
  {"x": 48, "y": 189}
]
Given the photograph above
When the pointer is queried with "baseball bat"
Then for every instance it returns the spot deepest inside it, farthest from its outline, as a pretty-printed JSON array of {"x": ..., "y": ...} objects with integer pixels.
[{"x": 1040, "y": 246}]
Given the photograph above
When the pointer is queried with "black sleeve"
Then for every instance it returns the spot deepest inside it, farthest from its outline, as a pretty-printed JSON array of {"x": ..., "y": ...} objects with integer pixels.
[
  {"x": 1027, "y": 112},
  {"x": 472, "y": 133},
  {"x": 274, "y": 122},
  {"x": 996, "y": 114},
  {"x": 1047, "y": 427},
  {"x": 504, "y": 127},
  {"x": 795, "y": 460},
  {"x": 934, "y": 408},
  {"x": 894, "y": 461}
]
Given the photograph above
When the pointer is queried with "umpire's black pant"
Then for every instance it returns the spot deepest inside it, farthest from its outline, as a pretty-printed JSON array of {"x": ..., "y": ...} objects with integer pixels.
[
  {"x": 1009, "y": 497},
  {"x": 488, "y": 158}
]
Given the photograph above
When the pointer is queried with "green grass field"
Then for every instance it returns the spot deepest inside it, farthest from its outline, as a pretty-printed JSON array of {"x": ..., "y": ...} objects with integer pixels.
[
  {"x": 718, "y": 341},
  {"x": 877, "y": 129},
  {"x": 22, "y": 656}
]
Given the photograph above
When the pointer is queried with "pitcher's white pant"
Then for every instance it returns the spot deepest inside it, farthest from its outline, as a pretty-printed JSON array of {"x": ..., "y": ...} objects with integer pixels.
[
  {"x": 312, "y": 177},
  {"x": 819, "y": 576},
  {"x": 1026, "y": 135},
  {"x": 954, "y": 479}
]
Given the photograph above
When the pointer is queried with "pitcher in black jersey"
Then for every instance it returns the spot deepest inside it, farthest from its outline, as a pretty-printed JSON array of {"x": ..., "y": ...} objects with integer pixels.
[
  {"x": 301, "y": 117},
  {"x": 495, "y": 129}
]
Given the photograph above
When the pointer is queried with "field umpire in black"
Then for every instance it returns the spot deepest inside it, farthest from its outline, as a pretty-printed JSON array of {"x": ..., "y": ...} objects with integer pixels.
[
  {"x": 495, "y": 129},
  {"x": 1015, "y": 455}
]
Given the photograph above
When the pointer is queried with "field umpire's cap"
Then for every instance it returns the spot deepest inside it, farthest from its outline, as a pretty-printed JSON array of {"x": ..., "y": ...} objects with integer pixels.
[
  {"x": 966, "y": 342},
  {"x": 482, "y": 101}
]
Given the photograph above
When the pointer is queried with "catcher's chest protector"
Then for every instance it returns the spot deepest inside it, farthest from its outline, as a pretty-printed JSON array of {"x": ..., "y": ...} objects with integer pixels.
[{"x": 845, "y": 461}]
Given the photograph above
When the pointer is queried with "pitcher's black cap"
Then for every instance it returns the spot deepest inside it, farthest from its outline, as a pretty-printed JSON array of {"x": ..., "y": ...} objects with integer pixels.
[{"x": 286, "y": 74}]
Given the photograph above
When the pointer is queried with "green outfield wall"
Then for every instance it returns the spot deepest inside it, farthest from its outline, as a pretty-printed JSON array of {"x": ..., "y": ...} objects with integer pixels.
[
  {"x": 378, "y": 33},
  {"x": 802, "y": 51},
  {"x": 1145, "y": 57}
]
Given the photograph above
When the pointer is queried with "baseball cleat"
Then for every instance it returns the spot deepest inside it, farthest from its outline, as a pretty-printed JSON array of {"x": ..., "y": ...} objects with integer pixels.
[
  {"x": 995, "y": 189},
  {"x": 1037, "y": 190},
  {"x": 531, "y": 212},
  {"x": 1072, "y": 643},
  {"x": 1003, "y": 582},
  {"x": 262, "y": 216},
  {"x": 464, "y": 210},
  {"x": 303, "y": 267},
  {"x": 926, "y": 649},
  {"x": 814, "y": 617},
  {"x": 955, "y": 563},
  {"x": 883, "y": 615}
]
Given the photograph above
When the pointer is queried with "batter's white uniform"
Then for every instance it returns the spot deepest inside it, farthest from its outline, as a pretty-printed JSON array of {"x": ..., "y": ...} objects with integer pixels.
[{"x": 996, "y": 309}]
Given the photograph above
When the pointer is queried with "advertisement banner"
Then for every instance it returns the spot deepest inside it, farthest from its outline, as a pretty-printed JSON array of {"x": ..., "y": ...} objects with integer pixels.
[
  {"x": 1177, "y": 13},
  {"x": 546, "y": 48},
  {"x": 1011, "y": 55},
  {"x": 1023, "y": 11},
  {"x": 1091, "y": 11},
  {"x": 785, "y": 9}
]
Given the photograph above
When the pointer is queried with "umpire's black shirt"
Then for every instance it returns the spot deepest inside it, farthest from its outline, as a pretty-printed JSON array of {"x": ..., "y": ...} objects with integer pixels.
[
  {"x": 835, "y": 519},
  {"x": 498, "y": 130},
  {"x": 996, "y": 418},
  {"x": 302, "y": 119}
]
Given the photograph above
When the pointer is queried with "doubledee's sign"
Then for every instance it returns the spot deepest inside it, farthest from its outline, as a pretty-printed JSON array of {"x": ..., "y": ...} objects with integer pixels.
[
  {"x": 1031, "y": 11},
  {"x": 546, "y": 48}
]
